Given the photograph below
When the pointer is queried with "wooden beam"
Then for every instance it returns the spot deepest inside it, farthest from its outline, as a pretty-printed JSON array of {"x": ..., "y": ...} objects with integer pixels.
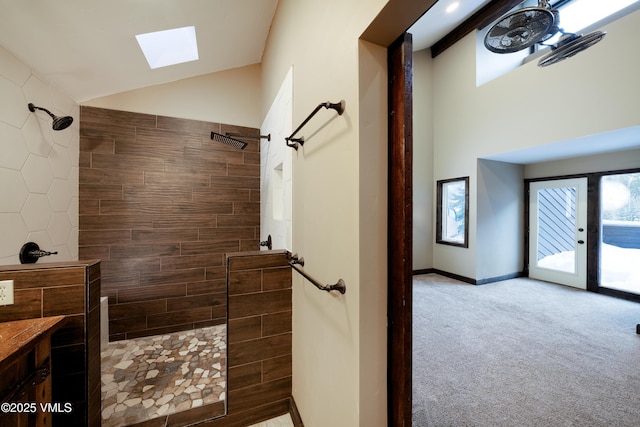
[
  {"x": 483, "y": 17},
  {"x": 400, "y": 235}
]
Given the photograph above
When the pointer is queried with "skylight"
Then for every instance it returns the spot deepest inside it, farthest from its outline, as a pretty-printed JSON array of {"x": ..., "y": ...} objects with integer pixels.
[{"x": 169, "y": 47}]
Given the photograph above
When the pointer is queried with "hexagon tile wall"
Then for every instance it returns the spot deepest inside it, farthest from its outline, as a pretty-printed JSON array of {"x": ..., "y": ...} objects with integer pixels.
[{"x": 38, "y": 166}]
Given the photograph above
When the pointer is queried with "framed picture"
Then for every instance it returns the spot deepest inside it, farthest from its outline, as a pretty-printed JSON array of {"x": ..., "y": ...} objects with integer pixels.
[{"x": 452, "y": 215}]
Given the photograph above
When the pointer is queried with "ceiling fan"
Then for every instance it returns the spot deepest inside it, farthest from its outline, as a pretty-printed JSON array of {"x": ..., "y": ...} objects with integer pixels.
[{"x": 528, "y": 26}]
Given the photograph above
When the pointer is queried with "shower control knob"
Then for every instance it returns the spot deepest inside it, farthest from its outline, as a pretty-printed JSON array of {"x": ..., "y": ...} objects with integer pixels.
[{"x": 31, "y": 252}]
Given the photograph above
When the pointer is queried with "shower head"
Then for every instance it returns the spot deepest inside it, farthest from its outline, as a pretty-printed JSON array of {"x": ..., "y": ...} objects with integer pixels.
[
  {"x": 228, "y": 140},
  {"x": 59, "y": 123}
]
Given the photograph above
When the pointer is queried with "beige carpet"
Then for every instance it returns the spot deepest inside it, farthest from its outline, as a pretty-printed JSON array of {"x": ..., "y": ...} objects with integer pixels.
[{"x": 523, "y": 353}]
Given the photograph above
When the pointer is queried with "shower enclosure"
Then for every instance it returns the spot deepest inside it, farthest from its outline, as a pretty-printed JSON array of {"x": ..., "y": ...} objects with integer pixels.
[{"x": 161, "y": 203}]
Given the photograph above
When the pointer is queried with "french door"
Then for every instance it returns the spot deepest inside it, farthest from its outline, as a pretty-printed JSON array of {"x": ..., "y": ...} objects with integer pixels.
[{"x": 557, "y": 235}]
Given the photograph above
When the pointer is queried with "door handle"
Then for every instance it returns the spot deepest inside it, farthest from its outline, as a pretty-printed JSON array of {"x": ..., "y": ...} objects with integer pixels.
[
  {"x": 581, "y": 242},
  {"x": 580, "y": 229}
]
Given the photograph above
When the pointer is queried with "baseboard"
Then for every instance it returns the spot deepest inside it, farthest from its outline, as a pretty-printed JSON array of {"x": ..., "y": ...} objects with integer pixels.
[
  {"x": 468, "y": 279},
  {"x": 295, "y": 415}
]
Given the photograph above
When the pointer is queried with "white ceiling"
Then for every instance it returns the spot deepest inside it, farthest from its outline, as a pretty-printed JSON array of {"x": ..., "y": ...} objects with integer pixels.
[
  {"x": 88, "y": 47},
  {"x": 436, "y": 23}
]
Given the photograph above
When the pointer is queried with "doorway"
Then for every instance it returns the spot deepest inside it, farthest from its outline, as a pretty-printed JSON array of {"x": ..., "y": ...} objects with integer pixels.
[{"x": 558, "y": 224}]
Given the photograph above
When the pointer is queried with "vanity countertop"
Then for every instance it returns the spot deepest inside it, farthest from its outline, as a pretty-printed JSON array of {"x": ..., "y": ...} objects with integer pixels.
[{"x": 20, "y": 336}]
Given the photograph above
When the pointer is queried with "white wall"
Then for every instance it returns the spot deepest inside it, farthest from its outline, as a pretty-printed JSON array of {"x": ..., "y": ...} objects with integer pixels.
[
  {"x": 275, "y": 169},
  {"x": 618, "y": 160},
  {"x": 423, "y": 185},
  {"x": 38, "y": 166},
  {"x": 500, "y": 219},
  {"x": 230, "y": 96},
  {"x": 339, "y": 344},
  {"x": 593, "y": 92}
]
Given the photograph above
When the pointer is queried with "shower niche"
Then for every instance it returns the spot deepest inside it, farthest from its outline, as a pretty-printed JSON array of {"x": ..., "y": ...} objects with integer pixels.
[{"x": 161, "y": 204}]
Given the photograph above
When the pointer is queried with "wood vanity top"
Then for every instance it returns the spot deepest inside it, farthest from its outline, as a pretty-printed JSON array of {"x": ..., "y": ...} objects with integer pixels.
[{"x": 20, "y": 336}]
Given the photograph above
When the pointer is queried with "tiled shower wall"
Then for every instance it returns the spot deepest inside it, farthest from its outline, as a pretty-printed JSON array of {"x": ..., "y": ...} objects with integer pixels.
[
  {"x": 38, "y": 166},
  {"x": 160, "y": 205}
]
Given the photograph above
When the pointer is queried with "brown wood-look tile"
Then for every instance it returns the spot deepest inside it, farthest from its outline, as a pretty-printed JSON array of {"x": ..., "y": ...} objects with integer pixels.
[
  {"x": 103, "y": 145},
  {"x": 244, "y": 375},
  {"x": 90, "y": 207},
  {"x": 221, "y": 195},
  {"x": 198, "y": 301},
  {"x": 213, "y": 247},
  {"x": 213, "y": 151},
  {"x": 276, "y": 278},
  {"x": 253, "y": 260},
  {"x": 164, "y": 235},
  {"x": 125, "y": 267},
  {"x": 216, "y": 273},
  {"x": 246, "y": 208},
  {"x": 198, "y": 179},
  {"x": 111, "y": 176},
  {"x": 109, "y": 117},
  {"x": 261, "y": 303},
  {"x": 206, "y": 287},
  {"x": 176, "y": 276},
  {"x": 156, "y": 193},
  {"x": 123, "y": 163},
  {"x": 137, "y": 309},
  {"x": 249, "y": 245},
  {"x": 191, "y": 261},
  {"x": 244, "y": 329},
  {"x": 113, "y": 222},
  {"x": 238, "y": 233},
  {"x": 101, "y": 130},
  {"x": 276, "y": 323},
  {"x": 127, "y": 324},
  {"x": 93, "y": 252},
  {"x": 144, "y": 250},
  {"x": 244, "y": 352},
  {"x": 182, "y": 165},
  {"x": 246, "y": 281},
  {"x": 63, "y": 300},
  {"x": 276, "y": 368},
  {"x": 100, "y": 192},
  {"x": 258, "y": 395},
  {"x": 36, "y": 277},
  {"x": 27, "y": 304},
  {"x": 84, "y": 160},
  {"x": 187, "y": 125},
  {"x": 251, "y": 158},
  {"x": 166, "y": 140},
  {"x": 148, "y": 293},
  {"x": 233, "y": 221},
  {"x": 114, "y": 280},
  {"x": 239, "y": 182},
  {"x": 178, "y": 317},
  {"x": 244, "y": 170},
  {"x": 105, "y": 237},
  {"x": 158, "y": 150},
  {"x": 178, "y": 221}
]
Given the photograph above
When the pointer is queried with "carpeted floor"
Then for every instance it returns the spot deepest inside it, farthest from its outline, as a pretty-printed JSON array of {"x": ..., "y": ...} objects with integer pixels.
[{"x": 523, "y": 353}]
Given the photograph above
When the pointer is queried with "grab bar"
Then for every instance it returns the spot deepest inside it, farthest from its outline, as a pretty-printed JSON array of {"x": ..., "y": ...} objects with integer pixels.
[
  {"x": 339, "y": 107},
  {"x": 340, "y": 286}
]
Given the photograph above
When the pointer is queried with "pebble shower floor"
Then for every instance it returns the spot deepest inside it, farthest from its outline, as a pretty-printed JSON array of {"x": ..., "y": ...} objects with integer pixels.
[{"x": 144, "y": 378}]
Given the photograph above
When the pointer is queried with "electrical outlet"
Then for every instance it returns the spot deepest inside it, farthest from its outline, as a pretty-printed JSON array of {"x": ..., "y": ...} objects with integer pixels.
[{"x": 6, "y": 292}]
